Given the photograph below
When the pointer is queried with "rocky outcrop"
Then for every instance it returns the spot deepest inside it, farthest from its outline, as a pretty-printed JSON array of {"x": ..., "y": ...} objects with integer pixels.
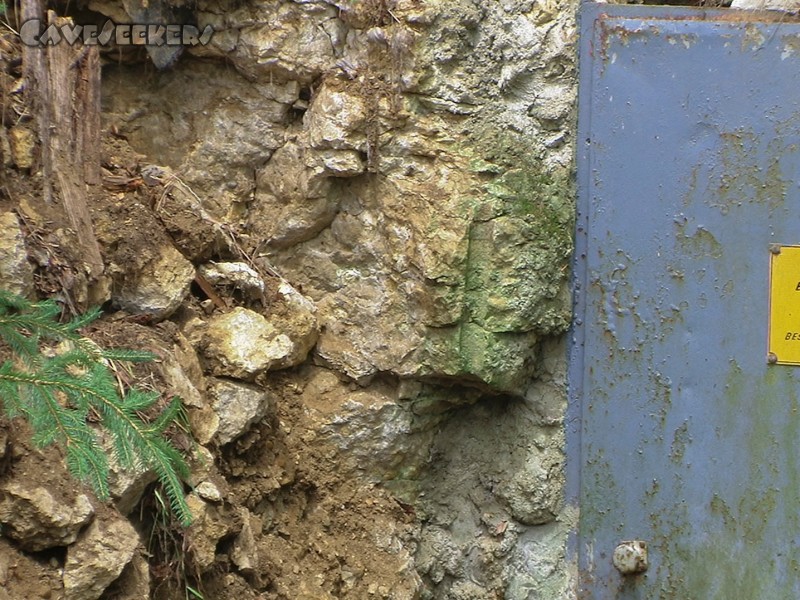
[{"x": 376, "y": 197}]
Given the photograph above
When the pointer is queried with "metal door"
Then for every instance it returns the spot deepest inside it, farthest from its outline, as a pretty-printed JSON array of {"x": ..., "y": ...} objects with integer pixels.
[{"x": 680, "y": 433}]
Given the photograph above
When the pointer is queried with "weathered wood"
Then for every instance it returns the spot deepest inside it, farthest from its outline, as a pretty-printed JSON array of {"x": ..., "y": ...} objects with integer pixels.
[
  {"x": 63, "y": 86},
  {"x": 37, "y": 91}
]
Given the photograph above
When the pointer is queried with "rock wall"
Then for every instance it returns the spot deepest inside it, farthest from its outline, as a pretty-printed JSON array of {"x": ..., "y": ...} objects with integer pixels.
[{"x": 381, "y": 384}]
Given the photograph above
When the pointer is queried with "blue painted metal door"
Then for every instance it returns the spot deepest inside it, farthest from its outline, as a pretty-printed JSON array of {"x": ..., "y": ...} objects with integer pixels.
[{"x": 680, "y": 433}]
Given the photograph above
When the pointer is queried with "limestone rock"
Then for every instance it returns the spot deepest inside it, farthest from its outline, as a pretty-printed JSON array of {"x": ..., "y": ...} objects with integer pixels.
[
  {"x": 290, "y": 41},
  {"x": 371, "y": 430},
  {"x": 448, "y": 264},
  {"x": 39, "y": 518},
  {"x": 336, "y": 118},
  {"x": 181, "y": 384},
  {"x": 202, "y": 466},
  {"x": 293, "y": 201},
  {"x": 23, "y": 146},
  {"x": 337, "y": 163},
  {"x": 530, "y": 491},
  {"x": 244, "y": 553},
  {"x": 237, "y": 406},
  {"x": 128, "y": 485},
  {"x": 150, "y": 277},
  {"x": 788, "y": 5},
  {"x": 237, "y": 275},
  {"x": 183, "y": 373},
  {"x": 211, "y": 523},
  {"x": 98, "y": 557},
  {"x": 212, "y": 140},
  {"x": 134, "y": 581},
  {"x": 204, "y": 422},
  {"x": 208, "y": 491},
  {"x": 16, "y": 273},
  {"x": 160, "y": 288},
  {"x": 242, "y": 343}
]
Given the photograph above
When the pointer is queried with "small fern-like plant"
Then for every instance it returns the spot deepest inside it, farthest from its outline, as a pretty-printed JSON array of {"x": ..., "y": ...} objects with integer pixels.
[{"x": 57, "y": 392}]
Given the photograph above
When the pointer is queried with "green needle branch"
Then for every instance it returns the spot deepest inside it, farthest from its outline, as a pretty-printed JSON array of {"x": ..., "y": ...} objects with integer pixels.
[{"x": 55, "y": 393}]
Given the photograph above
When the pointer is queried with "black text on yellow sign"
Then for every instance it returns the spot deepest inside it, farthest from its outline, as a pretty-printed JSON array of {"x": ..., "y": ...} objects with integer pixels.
[{"x": 784, "y": 305}]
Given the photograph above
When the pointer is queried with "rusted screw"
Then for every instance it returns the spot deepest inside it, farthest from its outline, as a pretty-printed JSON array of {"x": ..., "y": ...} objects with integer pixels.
[
  {"x": 630, "y": 558},
  {"x": 772, "y": 358},
  {"x": 775, "y": 248}
]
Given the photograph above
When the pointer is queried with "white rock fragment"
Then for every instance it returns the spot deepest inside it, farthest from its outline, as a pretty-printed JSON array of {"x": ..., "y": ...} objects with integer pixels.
[
  {"x": 242, "y": 343},
  {"x": 237, "y": 406},
  {"x": 208, "y": 491},
  {"x": 237, "y": 274}
]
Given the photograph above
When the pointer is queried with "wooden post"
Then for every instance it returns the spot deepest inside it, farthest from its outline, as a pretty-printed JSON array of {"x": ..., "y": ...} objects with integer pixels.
[{"x": 63, "y": 90}]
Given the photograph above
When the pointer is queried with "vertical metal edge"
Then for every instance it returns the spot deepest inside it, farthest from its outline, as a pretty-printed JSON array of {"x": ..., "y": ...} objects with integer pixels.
[{"x": 588, "y": 14}]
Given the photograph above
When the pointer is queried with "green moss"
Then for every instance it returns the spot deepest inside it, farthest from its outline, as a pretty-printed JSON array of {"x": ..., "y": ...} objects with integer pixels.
[{"x": 514, "y": 285}]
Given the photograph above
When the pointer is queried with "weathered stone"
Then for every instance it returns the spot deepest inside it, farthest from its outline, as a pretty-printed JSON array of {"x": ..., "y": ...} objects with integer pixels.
[
  {"x": 531, "y": 491},
  {"x": 788, "y": 5},
  {"x": 134, "y": 581},
  {"x": 98, "y": 557},
  {"x": 336, "y": 118},
  {"x": 372, "y": 430},
  {"x": 293, "y": 41},
  {"x": 201, "y": 464},
  {"x": 160, "y": 288},
  {"x": 449, "y": 263},
  {"x": 337, "y": 163},
  {"x": 16, "y": 273},
  {"x": 23, "y": 146},
  {"x": 127, "y": 485},
  {"x": 210, "y": 524},
  {"x": 208, "y": 491},
  {"x": 519, "y": 481},
  {"x": 180, "y": 384},
  {"x": 244, "y": 553},
  {"x": 39, "y": 518},
  {"x": 237, "y": 406},
  {"x": 237, "y": 275},
  {"x": 204, "y": 422},
  {"x": 293, "y": 202},
  {"x": 242, "y": 343},
  {"x": 213, "y": 140}
]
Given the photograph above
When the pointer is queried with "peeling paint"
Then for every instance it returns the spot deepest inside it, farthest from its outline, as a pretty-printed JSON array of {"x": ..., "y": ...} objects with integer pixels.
[{"x": 688, "y": 439}]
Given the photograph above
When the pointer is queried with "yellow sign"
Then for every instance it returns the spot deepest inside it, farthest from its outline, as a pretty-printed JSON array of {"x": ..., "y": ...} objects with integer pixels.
[{"x": 784, "y": 305}]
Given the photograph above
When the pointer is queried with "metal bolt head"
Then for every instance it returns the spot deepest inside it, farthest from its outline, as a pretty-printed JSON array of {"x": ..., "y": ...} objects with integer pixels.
[
  {"x": 775, "y": 248},
  {"x": 630, "y": 557},
  {"x": 772, "y": 358}
]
